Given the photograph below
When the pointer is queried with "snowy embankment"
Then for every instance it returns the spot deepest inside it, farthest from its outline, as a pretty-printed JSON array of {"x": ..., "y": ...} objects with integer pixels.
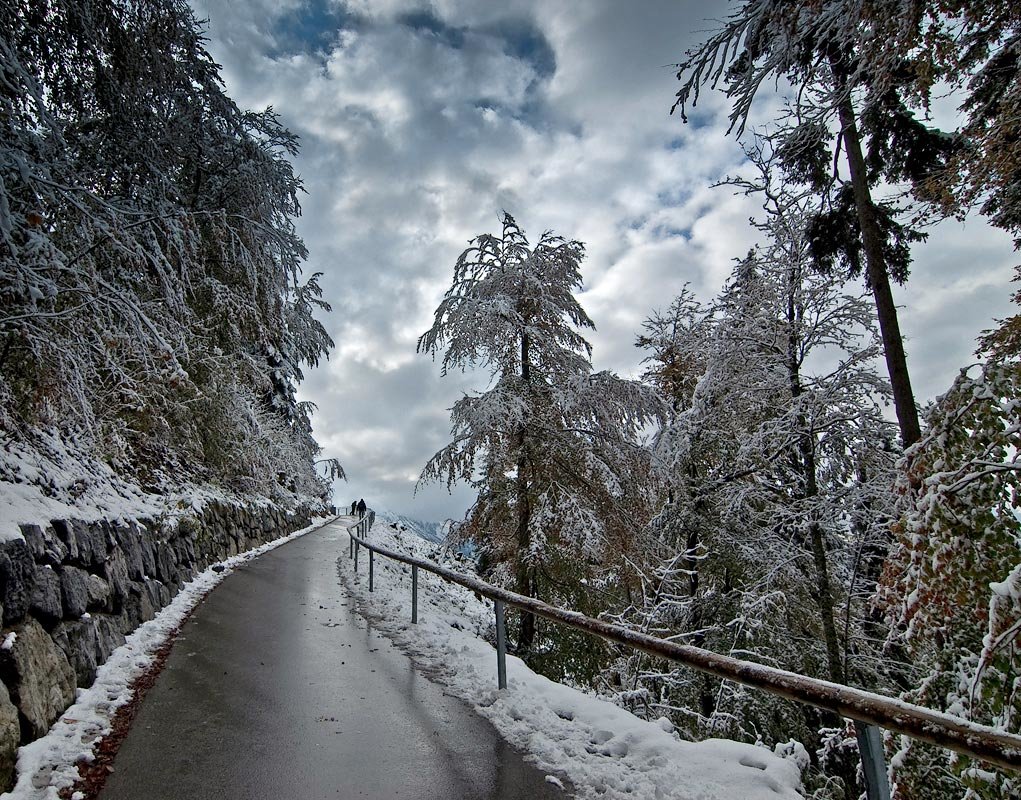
[
  {"x": 51, "y": 480},
  {"x": 603, "y": 750},
  {"x": 50, "y": 764}
]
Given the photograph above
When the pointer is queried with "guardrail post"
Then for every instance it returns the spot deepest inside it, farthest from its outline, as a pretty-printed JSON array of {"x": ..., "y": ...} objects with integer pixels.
[
  {"x": 414, "y": 594},
  {"x": 371, "y": 554},
  {"x": 501, "y": 645},
  {"x": 356, "y": 555},
  {"x": 873, "y": 763}
]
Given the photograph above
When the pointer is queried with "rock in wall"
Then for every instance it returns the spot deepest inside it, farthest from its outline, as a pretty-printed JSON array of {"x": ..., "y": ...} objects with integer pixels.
[{"x": 71, "y": 591}]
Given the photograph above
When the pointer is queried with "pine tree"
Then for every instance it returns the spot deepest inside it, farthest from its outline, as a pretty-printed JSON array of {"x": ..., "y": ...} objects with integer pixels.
[{"x": 817, "y": 48}]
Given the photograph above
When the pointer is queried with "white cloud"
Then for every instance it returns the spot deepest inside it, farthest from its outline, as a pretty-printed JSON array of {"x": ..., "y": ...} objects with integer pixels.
[{"x": 419, "y": 123}]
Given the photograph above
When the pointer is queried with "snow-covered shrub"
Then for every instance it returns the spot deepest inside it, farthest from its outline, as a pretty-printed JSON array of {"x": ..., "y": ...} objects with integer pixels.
[{"x": 952, "y": 587}]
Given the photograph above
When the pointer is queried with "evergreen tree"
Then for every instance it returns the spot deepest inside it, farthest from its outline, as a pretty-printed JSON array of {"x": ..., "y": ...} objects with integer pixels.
[
  {"x": 952, "y": 588},
  {"x": 817, "y": 48},
  {"x": 678, "y": 344},
  {"x": 551, "y": 446}
]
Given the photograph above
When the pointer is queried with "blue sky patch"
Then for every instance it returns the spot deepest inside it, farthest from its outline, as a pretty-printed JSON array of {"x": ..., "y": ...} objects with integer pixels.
[
  {"x": 524, "y": 41},
  {"x": 518, "y": 38},
  {"x": 425, "y": 21},
  {"x": 311, "y": 29}
]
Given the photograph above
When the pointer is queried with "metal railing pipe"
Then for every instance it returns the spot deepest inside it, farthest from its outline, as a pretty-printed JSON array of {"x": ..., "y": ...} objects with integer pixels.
[
  {"x": 954, "y": 733},
  {"x": 414, "y": 594},
  {"x": 501, "y": 645}
]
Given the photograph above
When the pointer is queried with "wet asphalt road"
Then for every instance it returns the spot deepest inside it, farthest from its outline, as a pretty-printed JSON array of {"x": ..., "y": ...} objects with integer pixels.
[{"x": 278, "y": 689}]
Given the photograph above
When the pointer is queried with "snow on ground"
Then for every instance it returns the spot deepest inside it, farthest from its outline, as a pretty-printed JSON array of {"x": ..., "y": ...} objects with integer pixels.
[
  {"x": 605, "y": 751},
  {"x": 52, "y": 480},
  {"x": 434, "y": 532},
  {"x": 49, "y": 764}
]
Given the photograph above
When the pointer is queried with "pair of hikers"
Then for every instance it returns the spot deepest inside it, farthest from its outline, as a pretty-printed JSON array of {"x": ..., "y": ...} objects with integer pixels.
[{"x": 359, "y": 508}]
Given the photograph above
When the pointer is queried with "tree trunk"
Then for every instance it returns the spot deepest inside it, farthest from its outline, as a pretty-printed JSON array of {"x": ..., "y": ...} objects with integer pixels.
[
  {"x": 879, "y": 280},
  {"x": 824, "y": 591},
  {"x": 806, "y": 462},
  {"x": 691, "y": 561},
  {"x": 525, "y": 570}
]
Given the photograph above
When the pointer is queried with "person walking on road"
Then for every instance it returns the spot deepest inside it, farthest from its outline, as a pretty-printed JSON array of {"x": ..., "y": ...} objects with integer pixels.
[
  {"x": 361, "y": 508},
  {"x": 354, "y": 507}
]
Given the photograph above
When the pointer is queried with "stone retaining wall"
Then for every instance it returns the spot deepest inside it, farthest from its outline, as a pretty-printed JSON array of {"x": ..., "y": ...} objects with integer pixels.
[{"x": 71, "y": 591}]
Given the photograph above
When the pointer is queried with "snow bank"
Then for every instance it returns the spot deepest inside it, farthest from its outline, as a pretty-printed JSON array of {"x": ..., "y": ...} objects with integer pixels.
[
  {"x": 603, "y": 750},
  {"x": 50, "y": 764},
  {"x": 434, "y": 532},
  {"x": 52, "y": 480}
]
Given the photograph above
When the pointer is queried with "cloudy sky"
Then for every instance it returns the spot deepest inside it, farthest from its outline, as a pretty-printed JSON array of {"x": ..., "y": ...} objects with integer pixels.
[{"x": 420, "y": 122}]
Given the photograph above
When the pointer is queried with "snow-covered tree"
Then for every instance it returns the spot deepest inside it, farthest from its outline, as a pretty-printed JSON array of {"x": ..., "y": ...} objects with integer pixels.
[
  {"x": 845, "y": 106},
  {"x": 778, "y": 465},
  {"x": 678, "y": 342},
  {"x": 874, "y": 66},
  {"x": 905, "y": 52},
  {"x": 149, "y": 267},
  {"x": 552, "y": 447},
  {"x": 952, "y": 589}
]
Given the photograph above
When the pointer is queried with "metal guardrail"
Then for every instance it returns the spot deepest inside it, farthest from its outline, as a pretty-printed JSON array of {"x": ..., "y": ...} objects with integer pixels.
[{"x": 978, "y": 741}]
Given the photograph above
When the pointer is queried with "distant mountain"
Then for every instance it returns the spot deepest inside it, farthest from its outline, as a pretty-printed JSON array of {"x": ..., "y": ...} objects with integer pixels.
[{"x": 435, "y": 532}]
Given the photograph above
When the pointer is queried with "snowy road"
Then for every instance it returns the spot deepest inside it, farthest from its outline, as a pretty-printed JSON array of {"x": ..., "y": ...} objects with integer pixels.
[{"x": 278, "y": 689}]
